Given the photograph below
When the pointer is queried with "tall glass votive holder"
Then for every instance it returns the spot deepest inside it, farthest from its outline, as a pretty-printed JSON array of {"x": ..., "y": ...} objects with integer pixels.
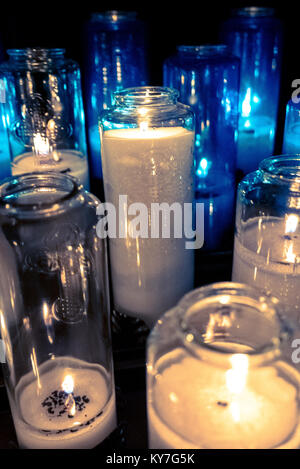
[
  {"x": 115, "y": 44},
  {"x": 255, "y": 35},
  {"x": 207, "y": 78},
  {"x": 291, "y": 136},
  {"x": 221, "y": 374},
  {"x": 267, "y": 242},
  {"x": 54, "y": 319},
  {"x": 147, "y": 143},
  {"x": 43, "y": 113}
]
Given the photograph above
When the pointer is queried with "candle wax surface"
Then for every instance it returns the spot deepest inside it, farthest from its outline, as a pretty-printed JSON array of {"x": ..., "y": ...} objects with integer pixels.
[
  {"x": 68, "y": 404},
  {"x": 191, "y": 406},
  {"x": 68, "y": 162},
  {"x": 149, "y": 166},
  {"x": 269, "y": 258}
]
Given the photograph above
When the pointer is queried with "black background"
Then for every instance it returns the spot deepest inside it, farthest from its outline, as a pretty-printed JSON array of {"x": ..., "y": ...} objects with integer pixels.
[{"x": 60, "y": 24}]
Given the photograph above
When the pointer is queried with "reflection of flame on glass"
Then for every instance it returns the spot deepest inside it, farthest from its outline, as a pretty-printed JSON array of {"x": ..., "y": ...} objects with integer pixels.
[
  {"x": 236, "y": 379},
  {"x": 68, "y": 387},
  {"x": 291, "y": 224}
]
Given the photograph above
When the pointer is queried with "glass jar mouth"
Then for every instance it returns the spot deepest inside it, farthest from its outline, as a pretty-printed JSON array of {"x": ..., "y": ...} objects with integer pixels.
[
  {"x": 33, "y": 194},
  {"x": 214, "y": 322},
  {"x": 254, "y": 11},
  {"x": 283, "y": 168},
  {"x": 146, "y": 95},
  {"x": 203, "y": 50},
  {"x": 37, "y": 54},
  {"x": 114, "y": 16}
]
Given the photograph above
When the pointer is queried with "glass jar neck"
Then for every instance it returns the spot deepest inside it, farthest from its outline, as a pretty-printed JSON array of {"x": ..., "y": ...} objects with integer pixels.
[
  {"x": 208, "y": 50},
  {"x": 37, "y": 194},
  {"x": 154, "y": 96},
  {"x": 36, "y": 56},
  {"x": 224, "y": 319},
  {"x": 254, "y": 12},
  {"x": 284, "y": 169}
]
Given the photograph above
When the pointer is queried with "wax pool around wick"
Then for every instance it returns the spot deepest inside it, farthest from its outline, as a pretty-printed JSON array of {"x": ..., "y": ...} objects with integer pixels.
[
  {"x": 190, "y": 406},
  {"x": 68, "y": 404}
]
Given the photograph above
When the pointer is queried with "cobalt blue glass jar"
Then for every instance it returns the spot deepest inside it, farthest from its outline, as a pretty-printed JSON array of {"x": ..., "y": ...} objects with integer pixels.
[
  {"x": 207, "y": 78},
  {"x": 115, "y": 45},
  {"x": 255, "y": 35}
]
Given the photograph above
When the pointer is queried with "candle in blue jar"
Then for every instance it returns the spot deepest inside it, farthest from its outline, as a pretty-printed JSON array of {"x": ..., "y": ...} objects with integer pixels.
[
  {"x": 255, "y": 35},
  {"x": 207, "y": 78},
  {"x": 115, "y": 42},
  {"x": 291, "y": 138}
]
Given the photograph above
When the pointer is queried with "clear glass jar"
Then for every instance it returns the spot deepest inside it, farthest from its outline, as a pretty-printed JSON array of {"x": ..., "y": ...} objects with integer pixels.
[
  {"x": 147, "y": 143},
  {"x": 44, "y": 113},
  {"x": 116, "y": 52},
  {"x": 267, "y": 242},
  {"x": 54, "y": 317},
  {"x": 207, "y": 78},
  {"x": 291, "y": 137},
  {"x": 223, "y": 373},
  {"x": 255, "y": 35}
]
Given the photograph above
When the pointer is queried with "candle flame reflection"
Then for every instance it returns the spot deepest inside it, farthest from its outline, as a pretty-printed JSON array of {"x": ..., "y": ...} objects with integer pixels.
[
  {"x": 291, "y": 224},
  {"x": 236, "y": 379}
]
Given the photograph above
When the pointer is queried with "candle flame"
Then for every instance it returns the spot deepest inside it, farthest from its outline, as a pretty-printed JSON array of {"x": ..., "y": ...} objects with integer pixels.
[
  {"x": 41, "y": 144},
  {"x": 144, "y": 126},
  {"x": 291, "y": 223},
  {"x": 68, "y": 384}
]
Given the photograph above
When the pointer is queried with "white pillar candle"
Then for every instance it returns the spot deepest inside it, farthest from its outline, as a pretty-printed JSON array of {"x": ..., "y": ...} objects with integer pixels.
[
  {"x": 64, "y": 404},
  {"x": 194, "y": 404},
  {"x": 149, "y": 166},
  {"x": 268, "y": 257},
  {"x": 68, "y": 162}
]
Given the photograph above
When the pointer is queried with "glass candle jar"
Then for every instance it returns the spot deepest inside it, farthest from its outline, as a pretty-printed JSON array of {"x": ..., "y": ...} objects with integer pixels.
[
  {"x": 54, "y": 318},
  {"x": 267, "y": 242},
  {"x": 221, "y": 373},
  {"x": 255, "y": 35},
  {"x": 43, "y": 113},
  {"x": 147, "y": 143},
  {"x": 291, "y": 137},
  {"x": 115, "y": 44},
  {"x": 207, "y": 78}
]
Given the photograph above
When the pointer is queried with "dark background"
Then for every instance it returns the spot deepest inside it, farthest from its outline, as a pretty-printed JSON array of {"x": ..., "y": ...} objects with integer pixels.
[{"x": 60, "y": 24}]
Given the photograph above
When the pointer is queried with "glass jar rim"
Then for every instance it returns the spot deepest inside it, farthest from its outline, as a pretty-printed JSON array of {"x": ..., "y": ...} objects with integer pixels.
[
  {"x": 146, "y": 95},
  {"x": 37, "y": 53},
  {"x": 38, "y": 181},
  {"x": 205, "y": 50},
  {"x": 283, "y": 168},
  {"x": 220, "y": 294},
  {"x": 254, "y": 11},
  {"x": 114, "y": 16}
]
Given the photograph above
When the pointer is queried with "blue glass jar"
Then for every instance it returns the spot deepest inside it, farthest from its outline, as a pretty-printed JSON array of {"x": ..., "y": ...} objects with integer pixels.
[
  {"x": 207, "y": 78},
  {"x": 115, "y": 59},
  {"x": 255, "y": 35},
  {"x": 291, "y": 138},
  {"x": 43, "y": 113}
]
